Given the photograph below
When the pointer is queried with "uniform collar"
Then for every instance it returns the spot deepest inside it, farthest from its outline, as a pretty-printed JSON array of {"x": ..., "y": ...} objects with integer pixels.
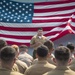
[
  {"x": 42, "y": 61},
  {"x": 62, "y": 67},
  {"x": 39, "y": 36},
  {"x": 4, "y": 69}
]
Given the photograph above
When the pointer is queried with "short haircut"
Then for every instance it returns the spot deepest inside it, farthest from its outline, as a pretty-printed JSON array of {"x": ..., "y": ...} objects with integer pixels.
[
  {"x": 60, "y": 44},
  {"x": 49, "y": 44},
  {"x": 42, "y": 51},
  {"x": 7, "y": 53},
  {"x": 23, "y": 47},
  {"x": 62, "y": 53},
  {"x": 2, "y": 43},
  {"x": 40, "y": 28},
  {"x": 70, "y": 46}
]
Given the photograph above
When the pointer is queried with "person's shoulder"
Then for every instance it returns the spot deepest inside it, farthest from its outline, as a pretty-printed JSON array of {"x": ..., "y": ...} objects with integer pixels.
[
  {"x": 72, "y": 66},
  {"x": 16, "y": 73},
  {"x": 47, "y": 73},
  {"x": 60, "y": 72},
  {"x": 51, "y": 65},
  {"x": 73, "y": 61},
  {"x": 34, "y": 61},
  {"x": 70, "y": 72},
  {"x": 15, "y": 68},
  {"x": 51, "y": 60},
  {"x": 21, "y": 56},
  {"x": 44, "y": 37},
  {"x": 54, "y": 72},
  {"x": 31, "y": 68},
  {"x": 21, "y": 63},
  {"x": 34, "y": 36},
  {"x": 29, "y": 56}
]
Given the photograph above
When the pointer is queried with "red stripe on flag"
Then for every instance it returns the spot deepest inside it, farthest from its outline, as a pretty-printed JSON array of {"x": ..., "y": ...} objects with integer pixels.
[
  {"x": 53, "y": 9},
  {"x": 54, "y": 2},
  {"x": 16, "y": 37},
  {"x": 17, "y": 43},
  {"x": 61, "y": 35},
  {"x": 28, "y": 29}
]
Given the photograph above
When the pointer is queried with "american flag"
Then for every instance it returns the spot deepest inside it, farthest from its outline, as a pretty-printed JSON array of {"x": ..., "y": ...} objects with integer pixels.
[{"x": 19, "y": 21}]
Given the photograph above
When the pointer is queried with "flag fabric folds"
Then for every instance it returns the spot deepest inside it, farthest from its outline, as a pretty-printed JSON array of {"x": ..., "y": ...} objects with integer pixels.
[{"x": 19, "y": 21}]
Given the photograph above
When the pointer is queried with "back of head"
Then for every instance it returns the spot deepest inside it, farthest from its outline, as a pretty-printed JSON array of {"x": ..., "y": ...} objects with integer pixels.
[
  {"x": 16, "y": 48},
  {"x": 62, "y": 53},
  {"x": 2, "y": 43},
  {"x": 23, "y": 48},
  {"x": 42, "y": 51},
  {"x": 60, "y": 44},
  {"x": 49, "y": 44},
  {"x": 71, "y": 46},
  {"x": 7, "y": 54}
]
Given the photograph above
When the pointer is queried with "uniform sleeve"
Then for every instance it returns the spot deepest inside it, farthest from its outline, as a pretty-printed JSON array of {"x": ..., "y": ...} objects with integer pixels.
[
  {"x": 32, "y": 40},
  {"x": 15, "y": 68},
  {"x": 45, "y": 73},
  {"x": 26, "y": 72}
]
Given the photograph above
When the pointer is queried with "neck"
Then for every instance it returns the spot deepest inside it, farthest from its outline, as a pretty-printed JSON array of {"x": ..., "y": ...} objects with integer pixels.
[
  {"x": 39, "y": 35},
  {"x": 61, "y": 63},
  {"x": 7, "y": 66},
  {"x": 42, "y": 59}
]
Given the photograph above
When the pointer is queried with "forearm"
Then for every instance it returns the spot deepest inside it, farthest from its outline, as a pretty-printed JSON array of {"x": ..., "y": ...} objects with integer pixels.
[{"x": 34, "y": 45}]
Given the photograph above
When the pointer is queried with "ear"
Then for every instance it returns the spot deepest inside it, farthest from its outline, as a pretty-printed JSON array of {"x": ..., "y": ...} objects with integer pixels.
[
  {"x": 54, "y": 60},
  {"x": 51, "y": 50},
  {"x": 48, "y": 55},
  {"x": 37, "y": 55},
  {"x": 26, "y": 50},
  {"x": 70, "y": 61},
  {"x": 15, "y": 59}
]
